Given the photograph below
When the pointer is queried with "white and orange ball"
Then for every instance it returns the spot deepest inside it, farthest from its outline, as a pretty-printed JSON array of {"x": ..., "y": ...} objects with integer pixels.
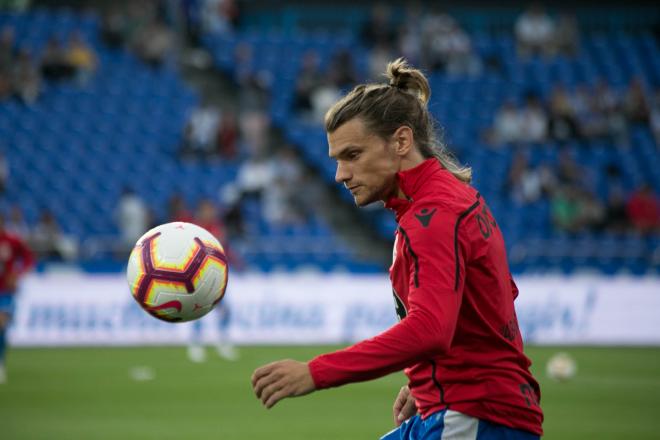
[{"x": 177, "y": 272}]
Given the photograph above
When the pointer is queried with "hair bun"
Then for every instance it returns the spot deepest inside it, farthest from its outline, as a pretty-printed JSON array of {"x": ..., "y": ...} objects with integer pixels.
[{"x": 408, "y": 79}]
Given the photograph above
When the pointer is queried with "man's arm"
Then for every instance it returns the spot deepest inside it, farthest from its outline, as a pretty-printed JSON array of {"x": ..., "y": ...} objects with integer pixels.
[{"x": 434, "y": 302}]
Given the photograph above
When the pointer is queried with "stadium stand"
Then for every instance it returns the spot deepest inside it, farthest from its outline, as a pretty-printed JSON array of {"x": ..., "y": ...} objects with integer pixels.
[{"x": 74, "y": 150}]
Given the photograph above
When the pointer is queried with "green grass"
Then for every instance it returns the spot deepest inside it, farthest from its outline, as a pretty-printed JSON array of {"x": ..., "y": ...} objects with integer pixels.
[{"x": 89, "y": 394}]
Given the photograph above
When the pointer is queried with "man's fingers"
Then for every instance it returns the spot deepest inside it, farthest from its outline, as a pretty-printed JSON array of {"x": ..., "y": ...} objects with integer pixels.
[
  {"x": 276, "y": 397},
  {"x": 265, "y": 381},
  {"x": 260, "y": 372},
  {"x": 269, "y": 391},
  {"x": 409, "y": 408}
]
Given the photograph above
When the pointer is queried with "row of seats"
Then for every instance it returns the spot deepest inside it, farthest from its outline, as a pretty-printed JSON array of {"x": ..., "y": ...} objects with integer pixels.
[{"x": 466, "y": 107}]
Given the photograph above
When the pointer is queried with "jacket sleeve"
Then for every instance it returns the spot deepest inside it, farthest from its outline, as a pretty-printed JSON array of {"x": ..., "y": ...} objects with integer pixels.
[{"x": 436, "y": 274}]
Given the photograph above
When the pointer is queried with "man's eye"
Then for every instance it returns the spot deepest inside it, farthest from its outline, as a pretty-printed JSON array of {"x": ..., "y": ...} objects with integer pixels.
[{"x": 353, "y": 155}]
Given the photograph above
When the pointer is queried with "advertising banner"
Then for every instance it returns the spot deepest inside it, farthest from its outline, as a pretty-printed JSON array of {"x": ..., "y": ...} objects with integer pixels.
[{"x": 83, "y": 309}]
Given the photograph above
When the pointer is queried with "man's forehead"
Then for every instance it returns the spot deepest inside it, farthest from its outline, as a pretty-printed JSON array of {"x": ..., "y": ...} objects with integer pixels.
[{"x": 351, "y": 133}]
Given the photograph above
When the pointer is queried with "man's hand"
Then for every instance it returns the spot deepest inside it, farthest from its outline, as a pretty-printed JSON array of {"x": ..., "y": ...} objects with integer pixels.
[
  {"x": 404, "y": 406},
  {"x": 287, "y": 378}
]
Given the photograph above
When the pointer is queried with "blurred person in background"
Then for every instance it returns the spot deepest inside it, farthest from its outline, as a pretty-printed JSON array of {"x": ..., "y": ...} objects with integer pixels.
[
  {"x": 16, "y": 224},
  {"x": 654, "y": 118},
  {"x": 507, "y": 126},
  {"x": 154, "y": 42},
  {"x": 201, "y": 132},
  {"x": 15, "y": 260},
  {"x": 533, "y": 121},
  {"x": 8, "y": 53},
  {"x": 207, "y": 217},
  {"x": 567, "y": 34},
  {"x": 132, "y": 217},
  {"x": 177, "y": 211},
  {"x": 643, "y": 210},
  {"x": 82, "y": 57},
  {"x": 535, "y": 32},
  {"x": 27, "y": 79},
  {"x": 48, "y": 240},
  {"x": 634, "y": 102},
  {"x": 54, "y": 62},
  {"x": 309, "y": 79}
]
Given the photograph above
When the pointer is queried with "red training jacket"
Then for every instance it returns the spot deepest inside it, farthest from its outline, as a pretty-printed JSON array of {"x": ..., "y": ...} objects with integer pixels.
[
  {"x": 457, "y": 339},
  {"x": 12, "y": 251}
]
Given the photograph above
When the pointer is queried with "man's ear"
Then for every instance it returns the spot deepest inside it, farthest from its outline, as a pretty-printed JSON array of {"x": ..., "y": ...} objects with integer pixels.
[{"x": 403, "y": 140}]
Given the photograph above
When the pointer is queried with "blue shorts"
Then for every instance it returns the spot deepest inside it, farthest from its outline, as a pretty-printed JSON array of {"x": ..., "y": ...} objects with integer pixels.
[
  {"x": 7, "y": 304},
  {"x": 452, "y": 425}
]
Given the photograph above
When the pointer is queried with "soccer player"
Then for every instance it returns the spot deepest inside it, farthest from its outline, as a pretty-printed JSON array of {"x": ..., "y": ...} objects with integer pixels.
[
  {"x": 15, "y": 259},
  {"x": 457, "y": 338}
]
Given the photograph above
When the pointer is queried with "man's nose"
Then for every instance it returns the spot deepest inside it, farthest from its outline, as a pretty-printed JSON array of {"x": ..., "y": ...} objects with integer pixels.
[{"x": 342, "y": 174}]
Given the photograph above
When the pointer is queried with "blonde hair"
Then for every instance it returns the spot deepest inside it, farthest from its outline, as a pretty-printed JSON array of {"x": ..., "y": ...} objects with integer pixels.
[{"x": 385, "y": 107}]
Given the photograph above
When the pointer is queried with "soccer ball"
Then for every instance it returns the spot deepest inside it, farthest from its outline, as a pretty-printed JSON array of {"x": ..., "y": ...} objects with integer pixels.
[
  {"x": 177, "y": 272},
  {"x": 561, "y": 367}
]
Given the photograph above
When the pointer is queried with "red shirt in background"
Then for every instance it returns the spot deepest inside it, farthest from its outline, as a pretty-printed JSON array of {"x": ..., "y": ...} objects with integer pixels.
[{"x": 15, "y": 259}]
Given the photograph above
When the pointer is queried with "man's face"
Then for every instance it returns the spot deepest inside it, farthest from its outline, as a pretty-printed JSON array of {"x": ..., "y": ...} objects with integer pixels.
[{"x": 366, "y": 164}]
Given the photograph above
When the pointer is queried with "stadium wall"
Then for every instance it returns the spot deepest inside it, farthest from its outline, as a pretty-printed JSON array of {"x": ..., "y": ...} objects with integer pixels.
[{"x": 83, "y": 309}]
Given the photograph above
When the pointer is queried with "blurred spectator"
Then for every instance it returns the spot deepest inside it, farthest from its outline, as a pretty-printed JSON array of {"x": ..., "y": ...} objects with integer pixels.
[
  {"x": 153, "y": 43},
  {"x": 254, "y": 175},
  {"x": 255, "y": 128},
  {"x": 592, "y": 211},
  {"x": 562, "y": 123},
  {"x": 566, "y": 208},
  {"x": 177, "y": 211},
  {"x": 527, "y": 184},
  {"x": 254, "y": 85},
  {"x": 220, "y": 16},
  {"x": 634, "y": 103},
  {"x": 5, "y": 85},
  {"x": 308, "y": 80},
  {"x": 207, "y": 217},
  {"x": 569, "y": 172},
  {"x": 507, "y": 127},
  {"x": 27, "y": 80},
  {"x": 132, "y": 217},
  {"x": 643, "y": 210},
  {"x": 280, "y": 204},
  {"x": 342, "y": 70},
  {"x": 567, "y": 34},
  {"x": 48, "y": 241},
  {"x": 324, "y": 97},
  {"x": 535, "y": 32},
  {"x": 4, "y": 173},
  {"x": 201, "y": 132},
  {"x": 113, "y": 26},
  {"x": 82, "y": 57},
  {"x": 54, "y": 62},
  {"x": 449, "y": 48},
  {"x": 227, "y": 137},
  {"x": 16, "y": 223},
  {"x": 655, "y": 116},
  {"x": 607, "y": 106},
  {"x": 8, "y": 50},
  {"x": 379, "y": 29},
  {"x": 616, "y": 217},
  {"x": 534, "y": 121}
]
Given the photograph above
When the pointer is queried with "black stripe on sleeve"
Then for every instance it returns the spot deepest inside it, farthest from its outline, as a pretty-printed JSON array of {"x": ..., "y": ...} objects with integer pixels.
[
  {"x": 458, "y": 222},
  {"x": 412, "y": 254}
]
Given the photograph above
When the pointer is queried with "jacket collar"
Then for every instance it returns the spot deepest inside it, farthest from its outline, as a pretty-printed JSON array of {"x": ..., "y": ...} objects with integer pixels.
[{"x": 412, "y": 184}]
